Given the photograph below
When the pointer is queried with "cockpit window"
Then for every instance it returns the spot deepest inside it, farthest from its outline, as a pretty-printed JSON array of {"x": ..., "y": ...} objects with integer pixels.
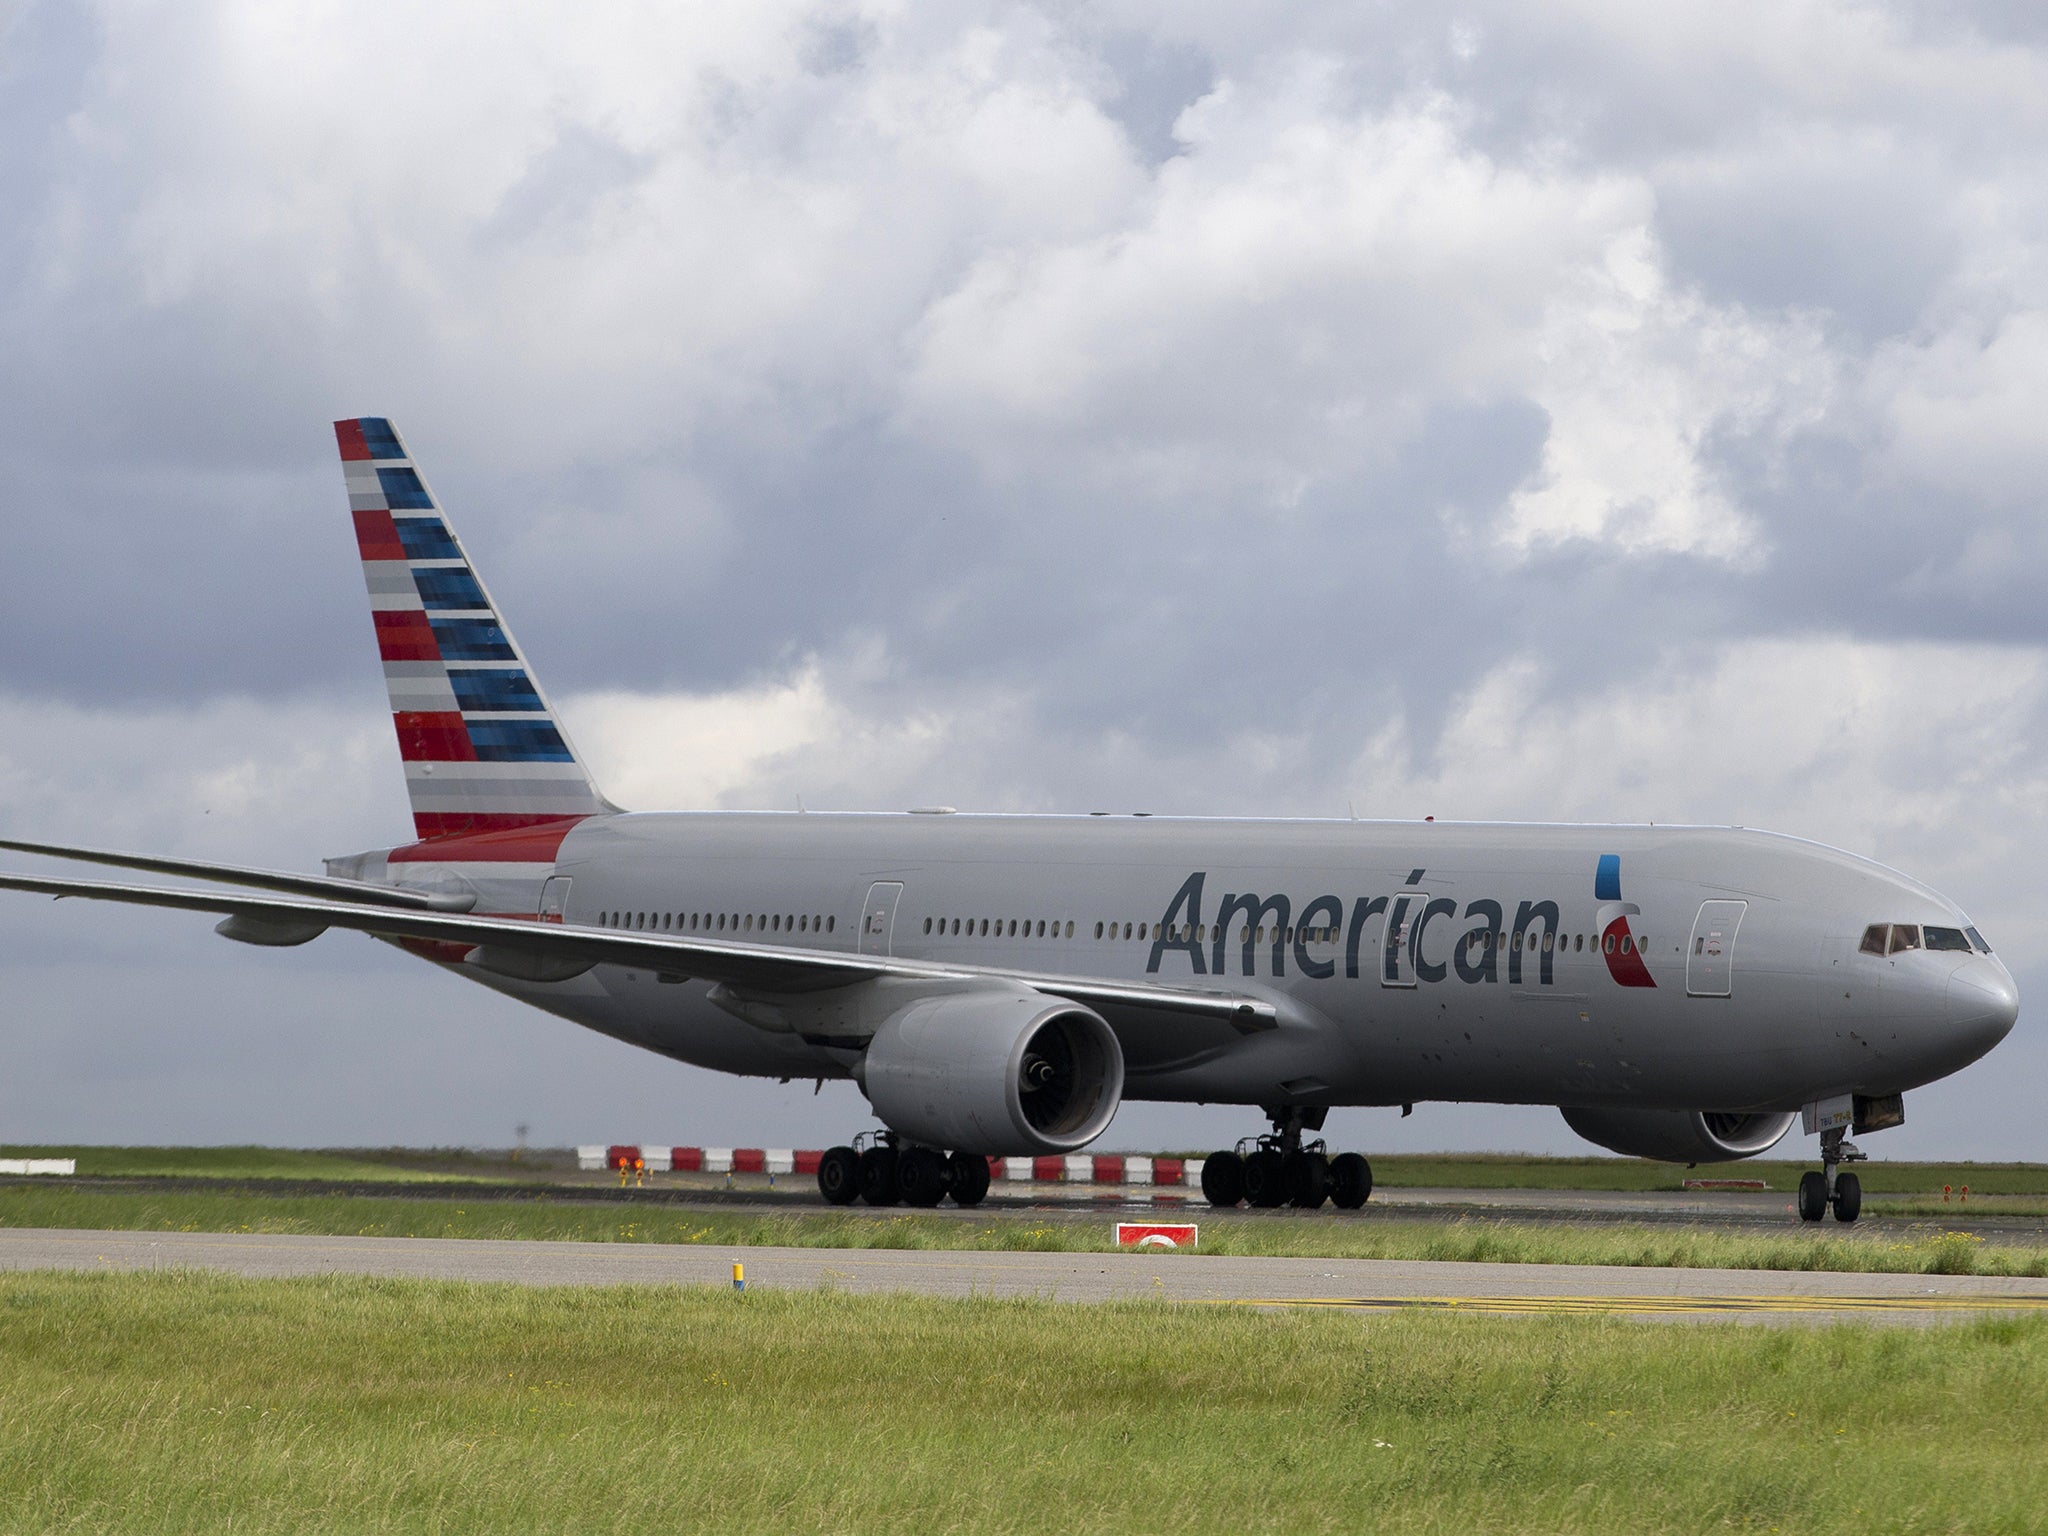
[
  {"x": 1946, "y": 938},
  {"x": 1875, "y": 938},
  {"x": 1905, "y": 936},
  {"x": 1977, "y": 939}
]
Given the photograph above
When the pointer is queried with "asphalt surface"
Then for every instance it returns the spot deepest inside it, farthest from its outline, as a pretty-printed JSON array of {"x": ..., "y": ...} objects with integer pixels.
[{"x": 1365, "y": 1285}]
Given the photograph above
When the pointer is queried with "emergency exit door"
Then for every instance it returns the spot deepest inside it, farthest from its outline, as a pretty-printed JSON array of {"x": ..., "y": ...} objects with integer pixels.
[{"x": 1710, "y": 959}]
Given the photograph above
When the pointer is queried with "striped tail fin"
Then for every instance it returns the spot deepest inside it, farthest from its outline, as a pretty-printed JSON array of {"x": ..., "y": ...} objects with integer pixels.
[{"x": 483, "y": 750}]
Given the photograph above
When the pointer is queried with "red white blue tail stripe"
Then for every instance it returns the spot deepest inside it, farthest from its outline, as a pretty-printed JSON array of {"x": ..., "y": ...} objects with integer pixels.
[{"x": 483, "y": 751}]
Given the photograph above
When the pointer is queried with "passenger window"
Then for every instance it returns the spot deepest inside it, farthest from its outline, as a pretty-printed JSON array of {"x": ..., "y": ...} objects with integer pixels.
[
  {"x": 1947, "y": 938},
  {"x": 1905, "y": 936},
  {"x": 1628, "y": 944},
  {"x": 1607, "y": 944},
  {"x": 831, "y": 923},
  {"x": 1070, "y": 927},
  {"x": 1098, "y": 930},
  {"x": 1546, "y": 943},
  {"x": 1875, "y": 938},
  {"x": 1578, "y": 942}
]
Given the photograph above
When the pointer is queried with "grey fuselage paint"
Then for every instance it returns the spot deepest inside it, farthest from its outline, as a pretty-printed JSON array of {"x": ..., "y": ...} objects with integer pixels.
[{"x": 1408, "y": 961}]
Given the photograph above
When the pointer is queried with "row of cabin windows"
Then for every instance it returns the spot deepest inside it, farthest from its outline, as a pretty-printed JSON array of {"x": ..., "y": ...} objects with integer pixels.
[
  {"x": 1182, "y": 933},
  {"x": 1000, "y": 928},
  {"x": 717, "y": 922}
]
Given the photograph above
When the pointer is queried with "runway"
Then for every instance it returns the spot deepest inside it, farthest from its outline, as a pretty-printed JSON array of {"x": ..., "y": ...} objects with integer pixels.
[{"x": 1361, "y": 1285}]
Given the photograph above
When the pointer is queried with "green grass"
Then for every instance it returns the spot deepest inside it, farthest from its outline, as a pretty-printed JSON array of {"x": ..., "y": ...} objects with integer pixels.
[
  {"x": 1507, "y": 1171},
  {"x": 1392, "y": 1171},
  {"x": 1472, "y": 1239},
  {"x": 177, "y": 1402},
  {"x": 239, "y": 1163}
]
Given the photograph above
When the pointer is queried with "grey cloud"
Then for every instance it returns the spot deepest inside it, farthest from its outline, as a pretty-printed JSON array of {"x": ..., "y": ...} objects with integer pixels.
[{"x": 669, "y": 359}]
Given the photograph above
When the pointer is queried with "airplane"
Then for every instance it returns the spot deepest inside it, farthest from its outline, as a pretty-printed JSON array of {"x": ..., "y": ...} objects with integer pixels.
[{"x": 1000, "y": 984}]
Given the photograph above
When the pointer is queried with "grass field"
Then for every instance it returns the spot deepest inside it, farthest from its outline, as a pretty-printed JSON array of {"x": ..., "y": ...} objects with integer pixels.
[
  {"x": 1391, "y": 1171},
  {"x": 253, "y": 1163},
  {"x": 177, "y": 1402},
  {"x": 1486, "y": 1171},
  {"x": 1479, "y": 1239}
]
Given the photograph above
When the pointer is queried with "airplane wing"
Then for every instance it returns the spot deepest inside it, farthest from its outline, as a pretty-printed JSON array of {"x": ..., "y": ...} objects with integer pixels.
[
  {"x": 553, "y": 951},
  {"x": 327, "y": 887}
]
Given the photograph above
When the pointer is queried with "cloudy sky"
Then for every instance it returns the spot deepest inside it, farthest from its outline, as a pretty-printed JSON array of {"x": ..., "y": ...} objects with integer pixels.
[{"x": 1594, "y": 411}]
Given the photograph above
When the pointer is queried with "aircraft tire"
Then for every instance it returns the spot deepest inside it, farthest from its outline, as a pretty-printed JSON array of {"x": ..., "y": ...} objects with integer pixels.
[
  {"x": 1848, "y": 1197},
  {"x": 1308, "y": 1180},
  {"x": 969, "y": 1172},
  {"x": 878, "y": 1176},
  {"x": 1813, "y": 1196},
  {"x": 1223, "y": 1178},
  {"x": 839, "y": 1176},
  {"x": 1350, "y": 1181},
  {"x": 1265, "y": 1179},
  {"x": 922, "y": 1177}
]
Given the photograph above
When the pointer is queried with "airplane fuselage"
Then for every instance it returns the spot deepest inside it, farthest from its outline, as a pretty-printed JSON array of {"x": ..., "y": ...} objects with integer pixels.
[{"x": 1637, "y": 966}]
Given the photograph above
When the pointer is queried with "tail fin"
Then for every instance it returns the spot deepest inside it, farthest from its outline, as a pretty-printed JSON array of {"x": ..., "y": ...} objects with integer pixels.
[{"x": 483, "y": 750}]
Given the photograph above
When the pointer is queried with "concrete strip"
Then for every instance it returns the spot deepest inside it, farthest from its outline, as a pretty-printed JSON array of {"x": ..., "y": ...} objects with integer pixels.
[{"x": 1079, "y": 1277}]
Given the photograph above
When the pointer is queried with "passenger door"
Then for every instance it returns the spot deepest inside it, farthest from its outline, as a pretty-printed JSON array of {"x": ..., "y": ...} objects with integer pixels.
[
  {"x": 1710, "y": 958},
  {"x": 554, "y": 899},
  {"x": 1397, "y": 951},
  {"x": 878, "y": 918}
]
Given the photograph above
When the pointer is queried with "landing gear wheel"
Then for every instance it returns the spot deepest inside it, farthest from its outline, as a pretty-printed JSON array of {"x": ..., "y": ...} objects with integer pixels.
[
  {"x": 921, "y": 1176},
  {"x": 1223, "y": 1178},
  {"x": 1308, "y": 1180},
  {"x": 1265, "y": 1179},
  {"x": 839, "y": 1176},
  {"x": 1848, "y": 1197},
  {"x": 878, "y": 1176},
  {"x": 1813, "y": 1196},
  {"x": 1350, "y": 1181},
  {"x": 969, "y": 1172}
]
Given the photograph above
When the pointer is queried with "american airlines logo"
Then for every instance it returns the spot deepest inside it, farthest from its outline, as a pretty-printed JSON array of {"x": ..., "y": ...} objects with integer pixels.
[{"x": 1419, "y": 939}]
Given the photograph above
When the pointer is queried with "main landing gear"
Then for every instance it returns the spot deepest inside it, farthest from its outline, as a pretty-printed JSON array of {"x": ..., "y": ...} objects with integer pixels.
[
  {"x": 881, "y": 1169},
  {"x": 1843, "y": 1191},
  {"x": 1282, "y": 1169}
]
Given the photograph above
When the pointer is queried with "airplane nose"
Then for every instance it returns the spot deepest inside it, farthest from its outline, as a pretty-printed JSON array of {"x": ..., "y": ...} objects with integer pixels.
[{"x": 1983, "y": 1003}]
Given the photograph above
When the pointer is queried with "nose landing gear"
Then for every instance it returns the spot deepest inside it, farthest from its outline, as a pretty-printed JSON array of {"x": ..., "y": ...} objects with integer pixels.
[
  {"x": 1282, "y": 1169},
  {"x": 1831, "y": 1188}
]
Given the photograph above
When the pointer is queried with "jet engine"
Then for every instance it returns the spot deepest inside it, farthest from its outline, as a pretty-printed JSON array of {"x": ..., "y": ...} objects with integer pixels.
[
  {"x": 1003, "y": 1072},
  {"x": 1680, "y": 1135}
]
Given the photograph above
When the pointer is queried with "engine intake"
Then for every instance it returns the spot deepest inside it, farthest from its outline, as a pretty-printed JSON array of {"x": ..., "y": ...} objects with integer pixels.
[
  {"x": 1680, "y": 1135},
  {"x": 1005, "y": 1073}
]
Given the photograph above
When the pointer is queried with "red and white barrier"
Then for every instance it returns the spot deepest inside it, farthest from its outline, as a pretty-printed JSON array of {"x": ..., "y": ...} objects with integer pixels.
[{"x": 1077, "y": 1168}]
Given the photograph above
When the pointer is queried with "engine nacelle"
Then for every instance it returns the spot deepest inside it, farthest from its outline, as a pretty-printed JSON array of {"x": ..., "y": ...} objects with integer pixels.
[
  {"x": 1000, "y": 1072},
  {"x": 1680, "y": 1135}
]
